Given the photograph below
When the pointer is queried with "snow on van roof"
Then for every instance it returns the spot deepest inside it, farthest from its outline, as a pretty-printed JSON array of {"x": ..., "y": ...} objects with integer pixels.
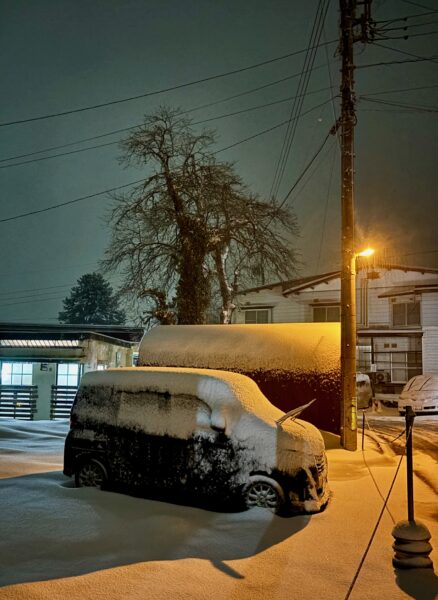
[
  {"x": 218, "y": 389},
  {"x": 308, "y": 347}
]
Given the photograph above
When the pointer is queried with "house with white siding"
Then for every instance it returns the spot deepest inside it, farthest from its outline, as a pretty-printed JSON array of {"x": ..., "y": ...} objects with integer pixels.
[{"x": 397, "y": 316}]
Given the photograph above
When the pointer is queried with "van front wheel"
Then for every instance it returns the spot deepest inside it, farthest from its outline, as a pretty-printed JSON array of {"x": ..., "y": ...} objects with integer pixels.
[
  {"x": 91, "y": 473},
  {"x": 264, "y": 492}
]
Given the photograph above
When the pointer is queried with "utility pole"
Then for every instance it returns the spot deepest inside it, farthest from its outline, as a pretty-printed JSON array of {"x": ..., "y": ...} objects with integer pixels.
[{"x": 352, "y": 30}]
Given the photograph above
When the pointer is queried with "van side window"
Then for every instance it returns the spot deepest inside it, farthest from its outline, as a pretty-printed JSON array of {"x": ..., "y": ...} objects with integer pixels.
[
  {"x": 179, "y": 416},
  {"x": 97, "y": 404}
]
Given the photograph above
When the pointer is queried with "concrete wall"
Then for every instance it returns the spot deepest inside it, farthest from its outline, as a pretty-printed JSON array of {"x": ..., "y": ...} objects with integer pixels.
[
  {"x": 44, "y": 379},
  {"x": 109, "y": 355}
]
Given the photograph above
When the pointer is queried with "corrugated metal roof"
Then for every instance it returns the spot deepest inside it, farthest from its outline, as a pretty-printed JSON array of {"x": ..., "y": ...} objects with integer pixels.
[{"x": 40, "y": 343}]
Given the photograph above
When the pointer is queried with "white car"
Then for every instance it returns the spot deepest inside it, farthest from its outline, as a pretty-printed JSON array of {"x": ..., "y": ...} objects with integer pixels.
[{"x": 421, "y": 393}]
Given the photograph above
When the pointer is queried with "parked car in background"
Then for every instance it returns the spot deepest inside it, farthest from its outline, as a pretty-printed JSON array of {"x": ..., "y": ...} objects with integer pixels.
[
  {"x": 421, "y": 393},
  {"x": 193, "y": 433},
  {"x": 364, "y": 391}
]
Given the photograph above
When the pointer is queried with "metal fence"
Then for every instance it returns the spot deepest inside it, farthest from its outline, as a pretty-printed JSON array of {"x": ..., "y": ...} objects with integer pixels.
[
  {"x": 18, "y": 401},
  {"x": 61, "y": 401}
]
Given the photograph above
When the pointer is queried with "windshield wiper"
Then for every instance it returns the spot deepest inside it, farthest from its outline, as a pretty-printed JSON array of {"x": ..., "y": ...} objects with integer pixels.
[{"x": 294, "y": 413}]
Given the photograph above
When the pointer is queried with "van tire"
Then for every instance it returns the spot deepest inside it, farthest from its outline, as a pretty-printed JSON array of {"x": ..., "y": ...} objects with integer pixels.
[
  {"x": 264, "y": 492},
  {"x": 91, "y": 473}
]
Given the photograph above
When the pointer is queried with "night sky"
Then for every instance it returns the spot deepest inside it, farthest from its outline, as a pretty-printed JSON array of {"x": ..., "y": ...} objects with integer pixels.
[{"x": 58, "y": 55}]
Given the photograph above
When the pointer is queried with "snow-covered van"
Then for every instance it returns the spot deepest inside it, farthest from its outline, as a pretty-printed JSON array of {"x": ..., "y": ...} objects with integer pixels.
[
  {"x": 193, "y": 433},
  {"x": 421, "y": 393}
]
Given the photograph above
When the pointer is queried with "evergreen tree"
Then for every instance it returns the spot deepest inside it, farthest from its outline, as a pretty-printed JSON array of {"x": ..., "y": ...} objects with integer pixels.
[{"x": 91, "y": 301}]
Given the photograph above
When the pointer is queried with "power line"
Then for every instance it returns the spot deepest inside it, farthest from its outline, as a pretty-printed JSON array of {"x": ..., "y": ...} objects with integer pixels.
[
  {"x": 59, "y": 154},
  {"x": 407, "y": 36},
  {"x": 397, "y": 19},
  {"x": 309, "y": 59},
  {"x": 272, "y": 128},
  {"x": 42, "y": 290},
  {"x": 411, "y": 89},
  {"x": 396, "y": 62},
  {"x": 307, "y": 167},
  {"x": 57, "y": 298},
  {"x": 106, "y": 144},
  {"x": 108, "y": 191},
  {"x": 156, "y": 92},
  {"x": 190, "y": 110},
  {"x": 54, "y": 206},
  {"x": 416, "y": 56},
  {"x": 431, "y": 109},
  {"x": 124, "y": 129},
  {"x": 420, "y": 5},
  {"x": 407, "y": 27}
]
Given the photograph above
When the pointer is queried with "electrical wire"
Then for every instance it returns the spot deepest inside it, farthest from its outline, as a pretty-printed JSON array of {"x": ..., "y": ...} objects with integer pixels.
[
  {"x": 396, "y": 62},
  {"x": 430, "y": 109},
  {"x": 416, "y": 56},
  {"x": 407, "y": 36},
  {"x": 411, "y": 89},
  {"x": 309, "y": 59},
  {"x": 397, "y": 19},
  {"x": 407, "y": 27},
  {"x": 356, "y": 575},
  {"x": 108, "y": 191},
  {"x": 36, "y": 289},
  {"x": 188, "y": 111},
  {"x": 113, "y": 143},
  {"x": 57, "y": 298},
  {"x": 307, "y": 167},
  {"x": 54, "y": 206},
  {"x": 156, "y": 92},
  {"x": 419, "y": 5}
]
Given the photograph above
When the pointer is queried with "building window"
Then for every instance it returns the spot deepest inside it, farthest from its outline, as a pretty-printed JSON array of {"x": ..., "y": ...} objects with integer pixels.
[
  {"x": 259, "y": 315},
  {"x": 326, "y": 314},
  {"x": 68, "y": 374},
  {"x": 406, "y": 314},
  {"x": 16, "y": 373}
]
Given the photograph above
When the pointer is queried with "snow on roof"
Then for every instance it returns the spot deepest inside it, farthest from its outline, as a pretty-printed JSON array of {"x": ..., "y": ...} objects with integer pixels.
[
  {"x": 410, "y": 288},
  {"x": 220, "y": 390},
  {"x": 292, "y": 286},
  {"x": 305, "y": 347}
]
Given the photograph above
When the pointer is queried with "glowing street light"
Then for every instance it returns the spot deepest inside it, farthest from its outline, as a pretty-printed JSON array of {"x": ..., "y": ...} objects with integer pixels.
[
  {"x": 348, "y": 354},
  {"x": 366, "y": 252}
]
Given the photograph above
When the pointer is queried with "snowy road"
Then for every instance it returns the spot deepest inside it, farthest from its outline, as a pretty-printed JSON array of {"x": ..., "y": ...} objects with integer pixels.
[
  {"x": 60, "y": 542},
  {"x": 425, "y": 433}
]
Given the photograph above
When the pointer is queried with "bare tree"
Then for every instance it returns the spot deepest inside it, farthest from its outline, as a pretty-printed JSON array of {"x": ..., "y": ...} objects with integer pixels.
[{"x": 191, "y": 225}]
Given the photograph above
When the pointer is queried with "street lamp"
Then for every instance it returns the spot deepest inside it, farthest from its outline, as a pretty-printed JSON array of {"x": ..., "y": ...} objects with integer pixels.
[{"x": 348, "y": 352}]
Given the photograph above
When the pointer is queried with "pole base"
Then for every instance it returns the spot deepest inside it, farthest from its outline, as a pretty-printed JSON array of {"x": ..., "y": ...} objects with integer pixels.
[{"x": 411, "y": 545}]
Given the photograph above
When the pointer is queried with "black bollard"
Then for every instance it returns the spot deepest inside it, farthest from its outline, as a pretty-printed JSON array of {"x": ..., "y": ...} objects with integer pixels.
[
  {"x": 412, "y": 547},
  {"x": 409, "y": 416}
]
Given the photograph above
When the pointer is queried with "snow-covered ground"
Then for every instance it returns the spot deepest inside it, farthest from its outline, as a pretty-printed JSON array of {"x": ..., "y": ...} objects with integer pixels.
[{"x": 59, "y": 542}]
